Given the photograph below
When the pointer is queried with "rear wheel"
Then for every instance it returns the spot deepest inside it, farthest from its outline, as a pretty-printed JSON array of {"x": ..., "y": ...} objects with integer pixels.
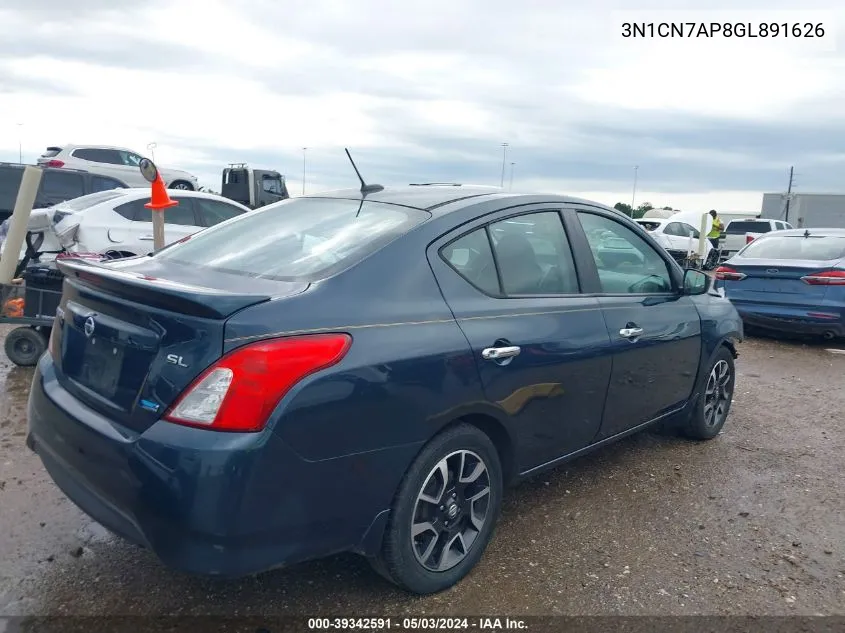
[
  {"x": 712, "y": 410},
  {"x": 184, "y": 185},
  {"x": 444, "y": 513},
  {"x": 25, "y": 345}
]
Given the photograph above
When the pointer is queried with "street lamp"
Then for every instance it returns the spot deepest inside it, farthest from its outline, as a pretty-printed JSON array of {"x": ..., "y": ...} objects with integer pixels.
[
  {"x": 504, "y": 158},
  {"x": 304, "y": 149},
  {"x": 511, "y": 185},
  {"x": 634, "y": 195}
]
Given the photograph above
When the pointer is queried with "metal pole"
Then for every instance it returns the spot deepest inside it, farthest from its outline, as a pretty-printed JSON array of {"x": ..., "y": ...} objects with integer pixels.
[
  {"x": 19, "y": 222},
  {"x": 504, "y": 158},
  {"x": 304, "y": 149},
  {"x": 789, "y": 192},
  {"x": 511, "y": 185},
  {"x": 152, "y": 147},
  {"x": 20, "y": 144},
  {"x": 634, "y": 195}
]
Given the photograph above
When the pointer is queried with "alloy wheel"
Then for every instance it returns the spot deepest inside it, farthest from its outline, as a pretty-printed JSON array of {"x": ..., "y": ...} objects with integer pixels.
[
  {"x": 450, "y": 511},
  {"x": 717, "y": 395}
]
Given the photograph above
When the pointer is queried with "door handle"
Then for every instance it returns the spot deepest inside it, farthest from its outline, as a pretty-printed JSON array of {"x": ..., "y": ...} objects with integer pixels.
[
  {"x": 146, "y": 238},
  {"x": 498, "y": 353},
  {"x": 630, "y": 332}
]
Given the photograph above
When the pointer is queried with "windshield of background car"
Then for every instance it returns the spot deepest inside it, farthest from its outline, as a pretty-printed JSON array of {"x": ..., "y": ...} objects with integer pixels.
[
  {"x": 296, "y": 240},
  {"x": 814, "y": 247},
  {"x": 83, "y": 202}
]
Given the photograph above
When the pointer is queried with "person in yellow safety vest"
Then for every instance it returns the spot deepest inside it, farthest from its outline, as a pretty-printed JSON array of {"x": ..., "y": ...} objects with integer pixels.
[{"x": 716, "y": 231}]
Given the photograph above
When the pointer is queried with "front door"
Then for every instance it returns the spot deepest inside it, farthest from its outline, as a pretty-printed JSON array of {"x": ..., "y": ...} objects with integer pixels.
[
  {"x": 541, "y": 348},
  {"x": 655, "y": 331}
]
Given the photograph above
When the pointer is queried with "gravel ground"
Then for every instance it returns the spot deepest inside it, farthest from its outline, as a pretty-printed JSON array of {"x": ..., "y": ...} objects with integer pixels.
[{"x": 750, "y": 523}]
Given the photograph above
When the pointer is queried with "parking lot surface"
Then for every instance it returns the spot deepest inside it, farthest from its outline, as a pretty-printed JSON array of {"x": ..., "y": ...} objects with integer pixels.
[{"x": 749, "y": 523}]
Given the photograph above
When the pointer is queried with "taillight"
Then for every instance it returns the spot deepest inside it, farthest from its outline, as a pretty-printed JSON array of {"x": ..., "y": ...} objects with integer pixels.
[
  {"x": 749, "y": 239},
  {"x": 829, "y": 278},
  {"x": 726, "y": 273},
  {"x": 54, "y": 163},
  {"x": 240, "y": 391}
]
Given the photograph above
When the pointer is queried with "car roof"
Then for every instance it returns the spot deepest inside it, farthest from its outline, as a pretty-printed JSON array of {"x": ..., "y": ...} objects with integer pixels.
[
  {"x": 442, "y": 198},
  {"x": 833, "y": 232},
  {"x": 69, "y": 146}
]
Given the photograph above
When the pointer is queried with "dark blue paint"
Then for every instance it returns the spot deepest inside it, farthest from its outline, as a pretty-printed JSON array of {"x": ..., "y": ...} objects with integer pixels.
[{"x": 322, "y": 476}]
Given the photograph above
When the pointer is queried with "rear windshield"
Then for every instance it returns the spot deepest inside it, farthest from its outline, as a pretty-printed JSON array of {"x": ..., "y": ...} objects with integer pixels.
[
  {"x": 814, "y": 247},
  {"x": 741, "y": 227},
  {"x": 296, "y": 240},
  {"x": 10, "y": 182},
  {"x": 51, "y": 151},
  {"x": 83, "y": 202}
]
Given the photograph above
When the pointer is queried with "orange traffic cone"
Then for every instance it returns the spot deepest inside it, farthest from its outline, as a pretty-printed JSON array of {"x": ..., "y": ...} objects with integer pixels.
[{"x": 160, "y": 200}]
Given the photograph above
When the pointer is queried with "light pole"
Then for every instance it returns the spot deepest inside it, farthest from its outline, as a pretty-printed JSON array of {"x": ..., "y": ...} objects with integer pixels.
[
  {"x": 304, "y": 149},
  {"x": 634, "y": 195},
  {"x": 20, "y": 144},
  {"x": 504, "y": 158},
  {"x": 511, "y": 185},
  {"x": 152, "y": 147}
]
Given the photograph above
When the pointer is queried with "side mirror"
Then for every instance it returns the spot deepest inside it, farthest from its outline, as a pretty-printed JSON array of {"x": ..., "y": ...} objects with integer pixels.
[
  {"x": 696, "y": 282},
  {"x": 148, "y": 169}
]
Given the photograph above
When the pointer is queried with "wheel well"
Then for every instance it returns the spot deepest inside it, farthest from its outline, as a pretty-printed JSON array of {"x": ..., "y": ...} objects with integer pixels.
[
  {"x": 501, "y": 439},
  {"x": 731, "y": 347}
]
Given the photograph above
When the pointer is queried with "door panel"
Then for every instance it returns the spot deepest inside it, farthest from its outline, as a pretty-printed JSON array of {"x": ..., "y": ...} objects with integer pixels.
[
  {"x": 553, "y": 390},
  {"x": 655, "y": 332}
]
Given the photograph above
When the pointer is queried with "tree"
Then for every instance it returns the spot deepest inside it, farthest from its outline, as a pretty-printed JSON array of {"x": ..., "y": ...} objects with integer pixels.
[{"x": 623, "y": 208}]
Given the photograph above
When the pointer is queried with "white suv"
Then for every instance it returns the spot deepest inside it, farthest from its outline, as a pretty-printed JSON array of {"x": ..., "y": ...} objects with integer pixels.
[{"x": 116, "y": 162}]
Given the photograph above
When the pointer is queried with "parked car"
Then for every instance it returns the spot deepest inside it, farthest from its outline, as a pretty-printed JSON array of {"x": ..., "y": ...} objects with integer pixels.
[
  {"x": 57, "y": 185},
  {"x": 738, "y": 233},
  {"x": 118, "y": 223},
  {"x": 790, "y": 282},
  {"x": 293, "y": 383},
  {"x": 674, "y": 236},
  {"x": 116, "y": 162}
]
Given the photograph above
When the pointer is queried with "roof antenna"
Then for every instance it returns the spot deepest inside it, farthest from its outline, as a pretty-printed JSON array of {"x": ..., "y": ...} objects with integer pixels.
[{"x": 365, "y": 188}]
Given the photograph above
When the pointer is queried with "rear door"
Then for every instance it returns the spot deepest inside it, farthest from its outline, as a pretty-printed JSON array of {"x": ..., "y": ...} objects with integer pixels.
[
  {"x": 654, "y": 331},
  {"x": 540, "y": 345}
]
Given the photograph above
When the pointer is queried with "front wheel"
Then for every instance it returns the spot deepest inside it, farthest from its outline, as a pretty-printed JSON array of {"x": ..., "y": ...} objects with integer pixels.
[
  {"x": 444, "y": 513},
  {"x": 713, "y": 406},
  {"x": 25, "y": 345},
  {"x": 182, "y": 185}
]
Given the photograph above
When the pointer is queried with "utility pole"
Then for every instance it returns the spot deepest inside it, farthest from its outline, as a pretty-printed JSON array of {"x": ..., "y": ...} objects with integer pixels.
[
  {"x": 511, "y": 185},
  {"x": 504, "y": 158},
  {"x": 20, "y": 144},
  {"x": 634, "y": 195},
  {"x": 304, "y": 149},
  {"x": 789, "y": 192}
]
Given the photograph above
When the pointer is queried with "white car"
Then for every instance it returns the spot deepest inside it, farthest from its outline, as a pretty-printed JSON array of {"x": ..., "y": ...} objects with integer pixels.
[
  {"x": 117, "y": 162},
  {"x": 674, "y": 236},
  {"x": 117, "y": 223}
]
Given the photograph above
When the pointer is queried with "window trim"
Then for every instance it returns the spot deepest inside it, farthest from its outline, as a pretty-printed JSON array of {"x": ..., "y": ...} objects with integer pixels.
[
  {"x": 485, "y": 226},
  {"x": 674, "y": 270}
]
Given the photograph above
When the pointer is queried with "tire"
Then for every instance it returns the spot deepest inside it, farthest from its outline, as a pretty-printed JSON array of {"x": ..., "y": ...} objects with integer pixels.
[
  {"x": 183, "y": 185},
  {"x": 422, "y": 564},
  {"x": 25, "y": 345},
  {"x": 712, "y": 409}
]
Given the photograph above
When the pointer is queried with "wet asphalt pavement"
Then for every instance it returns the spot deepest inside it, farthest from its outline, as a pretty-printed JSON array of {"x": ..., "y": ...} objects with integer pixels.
[{"x": 752, "y": 522}]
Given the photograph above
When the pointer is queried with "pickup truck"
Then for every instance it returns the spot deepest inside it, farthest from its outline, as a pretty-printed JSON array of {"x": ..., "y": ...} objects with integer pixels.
[{"x": 739, "y": 232}]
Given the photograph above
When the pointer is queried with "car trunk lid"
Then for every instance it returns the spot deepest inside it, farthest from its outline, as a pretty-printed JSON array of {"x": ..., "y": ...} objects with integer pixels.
[
  {"x": 129, "y": 336},
  {"x": 778, "y": 281}
]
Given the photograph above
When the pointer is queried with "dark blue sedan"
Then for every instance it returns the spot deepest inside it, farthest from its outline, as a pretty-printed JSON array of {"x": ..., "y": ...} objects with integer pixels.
[
  {"x": 790, "y": 282},
  {"x": 367, "y": 372}
]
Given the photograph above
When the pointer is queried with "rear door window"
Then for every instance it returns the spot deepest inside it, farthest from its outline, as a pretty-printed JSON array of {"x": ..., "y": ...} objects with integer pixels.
[
  {"x": 213, "y": 212},
  {"x": 182, "y": 213},
  {"x": 62, "y": 185},
  {"x": 103, "y": 183},
  {"x": 299, "y": 240},
  {"x": 472, "y": 258}
]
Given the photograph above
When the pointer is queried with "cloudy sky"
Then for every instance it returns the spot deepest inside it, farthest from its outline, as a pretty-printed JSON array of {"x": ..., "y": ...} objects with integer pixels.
[{"x": 429, "y": 91}]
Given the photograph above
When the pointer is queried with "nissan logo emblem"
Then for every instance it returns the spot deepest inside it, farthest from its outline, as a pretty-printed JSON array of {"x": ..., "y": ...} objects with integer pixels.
[{"x": 89, "y": 326}]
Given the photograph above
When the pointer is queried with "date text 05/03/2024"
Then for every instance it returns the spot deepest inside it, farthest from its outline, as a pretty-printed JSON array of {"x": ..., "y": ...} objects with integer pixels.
[
  {"x": 414, "y": 624},
  {"x": 749, "y": 30}
]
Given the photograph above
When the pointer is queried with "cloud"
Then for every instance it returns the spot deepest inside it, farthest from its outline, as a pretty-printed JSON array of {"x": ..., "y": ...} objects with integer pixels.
[{"x": 429, "y": 92}]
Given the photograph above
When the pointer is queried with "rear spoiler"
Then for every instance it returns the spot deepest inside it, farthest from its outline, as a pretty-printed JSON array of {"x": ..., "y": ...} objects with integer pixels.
[{"x": 160, "y": 293}]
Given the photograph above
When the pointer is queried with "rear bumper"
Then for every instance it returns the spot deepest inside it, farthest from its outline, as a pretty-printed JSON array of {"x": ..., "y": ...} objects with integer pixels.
[
  {"x": 209, "y": 503},
  {"x": 800, "y": 320}
]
